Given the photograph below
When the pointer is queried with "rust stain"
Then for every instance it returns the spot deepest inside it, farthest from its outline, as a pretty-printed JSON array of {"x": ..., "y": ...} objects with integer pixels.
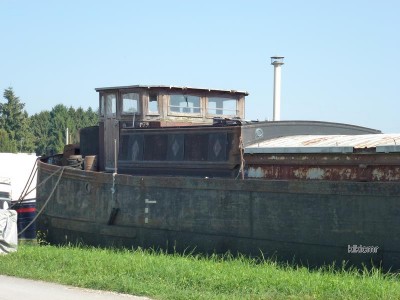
[{"x": 334, "y": 167}]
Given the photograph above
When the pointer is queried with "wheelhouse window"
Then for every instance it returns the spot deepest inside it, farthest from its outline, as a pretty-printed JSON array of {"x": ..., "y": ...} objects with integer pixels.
[
  {"x": 186, "y": 104},
  {"x": 153, "y": 104},
  {"x": 111, "y": 105},
  {"x": 130, "y": 103},
  {"x": 108, "y": 105},
  {"x": 222, "y": 106}
]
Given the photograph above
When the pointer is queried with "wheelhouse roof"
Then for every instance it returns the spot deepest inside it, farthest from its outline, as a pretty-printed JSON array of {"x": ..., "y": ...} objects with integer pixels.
[{"x": 173, "y": 88}]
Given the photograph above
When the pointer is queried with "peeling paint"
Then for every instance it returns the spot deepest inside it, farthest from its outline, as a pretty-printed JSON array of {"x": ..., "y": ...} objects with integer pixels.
[
  {"x": 315, "y": 173},
  {"x": 255, "y": 173},
  {"x": 335, "y": 167}
]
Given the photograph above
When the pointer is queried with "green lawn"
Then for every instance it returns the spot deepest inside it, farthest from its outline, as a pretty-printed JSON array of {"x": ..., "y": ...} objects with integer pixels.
[{"x": 165, "y": 276}]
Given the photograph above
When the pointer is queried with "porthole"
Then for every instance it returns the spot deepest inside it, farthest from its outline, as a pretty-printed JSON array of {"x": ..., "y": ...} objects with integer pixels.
[{"x": 259, "y": 133}]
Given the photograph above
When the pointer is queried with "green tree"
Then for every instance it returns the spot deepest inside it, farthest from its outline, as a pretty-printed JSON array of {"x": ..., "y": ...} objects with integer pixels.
[
  {"x": 59, "y": 120},
  {"x": 79, "y": 118},
  {"x": 40, "y": 127},
  {"x": 75, "y": 122},
  {"x": 44, "y": 132},
  {"x": 27, "y": 141},
  {"x": 6, "y": 145},
  {"x": 50, "y": 128},
  {"x": 92, "y": 117},
  {"x": 14, "y": 120}
]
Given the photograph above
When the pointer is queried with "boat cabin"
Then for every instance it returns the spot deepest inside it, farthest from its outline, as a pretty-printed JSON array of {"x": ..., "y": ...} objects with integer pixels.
[
  {"x": 162, "y": 106},
  {"x": 179, "y": 131},
  {"x": 126, "y": 111}
]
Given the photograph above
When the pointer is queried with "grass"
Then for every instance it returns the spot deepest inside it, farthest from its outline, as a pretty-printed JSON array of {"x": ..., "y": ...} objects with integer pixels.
[{"x": 164, "y": 276}]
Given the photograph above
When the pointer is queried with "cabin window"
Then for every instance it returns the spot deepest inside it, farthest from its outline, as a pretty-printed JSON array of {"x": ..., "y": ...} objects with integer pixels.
[
  {"x": 222, "y": 106},
  {"x": 186, "y": 104},
  {"x": 153, "y": 104},
  {"x": 130, "y": 103},
  {"x": 108, "y": 105}
]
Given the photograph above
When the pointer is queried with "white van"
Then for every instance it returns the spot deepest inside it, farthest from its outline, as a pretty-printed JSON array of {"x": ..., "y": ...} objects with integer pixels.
[{"x": 5, "y": 192}]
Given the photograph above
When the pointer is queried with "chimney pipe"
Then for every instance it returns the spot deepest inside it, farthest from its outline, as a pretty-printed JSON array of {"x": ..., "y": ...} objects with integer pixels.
[{"x": 277, "y": 62}]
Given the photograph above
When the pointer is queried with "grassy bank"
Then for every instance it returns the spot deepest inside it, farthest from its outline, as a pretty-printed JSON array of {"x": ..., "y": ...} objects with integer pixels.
[{"x": 163, "y": 276}]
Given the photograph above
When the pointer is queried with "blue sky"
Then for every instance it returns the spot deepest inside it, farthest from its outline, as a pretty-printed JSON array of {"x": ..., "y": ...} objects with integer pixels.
[{"x": 342, "y": 59}]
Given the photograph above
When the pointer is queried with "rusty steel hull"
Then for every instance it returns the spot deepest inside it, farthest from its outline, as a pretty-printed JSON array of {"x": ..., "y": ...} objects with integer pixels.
[
  {"x": 312, "y": 222},
  {"x": 364, "y": 167}
]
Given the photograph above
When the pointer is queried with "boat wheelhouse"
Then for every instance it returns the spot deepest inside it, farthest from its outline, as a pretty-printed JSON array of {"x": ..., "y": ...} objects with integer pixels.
[{"x": 125, "y": 109}]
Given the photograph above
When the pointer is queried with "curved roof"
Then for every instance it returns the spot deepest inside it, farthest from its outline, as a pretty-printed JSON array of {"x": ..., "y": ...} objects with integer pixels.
[{"x": 327, "y": 143}]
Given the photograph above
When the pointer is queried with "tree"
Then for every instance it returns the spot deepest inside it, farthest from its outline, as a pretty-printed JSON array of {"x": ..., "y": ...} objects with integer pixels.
[
  {"x": 44, "y": 132},
  {"x": 50, "y": 128},
  {"x": 92, "y": 117},
  {"x": 15, "y": 122},
  {"x": 40, "y": 127},
  {"x": 59, "y": 120},
  {"x": 6, "y": 145},
  {"x": 27, "y": 141}
]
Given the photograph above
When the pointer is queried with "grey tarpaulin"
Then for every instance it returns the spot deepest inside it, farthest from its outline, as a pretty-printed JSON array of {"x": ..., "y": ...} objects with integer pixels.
[{"x": 8, "y": 231}]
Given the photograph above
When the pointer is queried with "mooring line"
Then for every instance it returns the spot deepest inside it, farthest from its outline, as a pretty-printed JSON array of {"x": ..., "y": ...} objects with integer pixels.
[
  {"x": 29, "y": 182},
  {"x": 48, "y": 199}
]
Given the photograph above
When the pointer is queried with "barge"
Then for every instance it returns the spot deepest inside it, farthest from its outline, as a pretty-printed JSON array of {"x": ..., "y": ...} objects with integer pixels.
[{"x": 180, "y": 169}]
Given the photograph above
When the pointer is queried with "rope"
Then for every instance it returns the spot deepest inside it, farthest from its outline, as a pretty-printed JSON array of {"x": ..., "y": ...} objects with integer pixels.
[
  {"x": 30, "y": 179},
  {"x": 24, "y": 192},
  {"x": 242, "y": 161},
  {"x": 29, "y": 185},
  {"x": 44, "y": 181},
  {"x": 27, "y": 193},
  {"x": 47, "y": 201}
]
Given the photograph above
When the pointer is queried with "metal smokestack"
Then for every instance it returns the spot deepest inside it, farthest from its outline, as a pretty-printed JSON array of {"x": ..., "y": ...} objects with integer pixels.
[{"x": 277, "y": 62}]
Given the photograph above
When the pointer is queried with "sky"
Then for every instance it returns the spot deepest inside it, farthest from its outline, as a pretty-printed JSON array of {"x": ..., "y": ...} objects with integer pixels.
[{"x": 342, "y": 57}]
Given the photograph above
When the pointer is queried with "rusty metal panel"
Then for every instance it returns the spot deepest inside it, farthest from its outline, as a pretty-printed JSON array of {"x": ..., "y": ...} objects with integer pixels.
[
  {"x": 334, "y": 167},
  {"x": 301, "y": 149},
  {"x": 333, "y": 173}
]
